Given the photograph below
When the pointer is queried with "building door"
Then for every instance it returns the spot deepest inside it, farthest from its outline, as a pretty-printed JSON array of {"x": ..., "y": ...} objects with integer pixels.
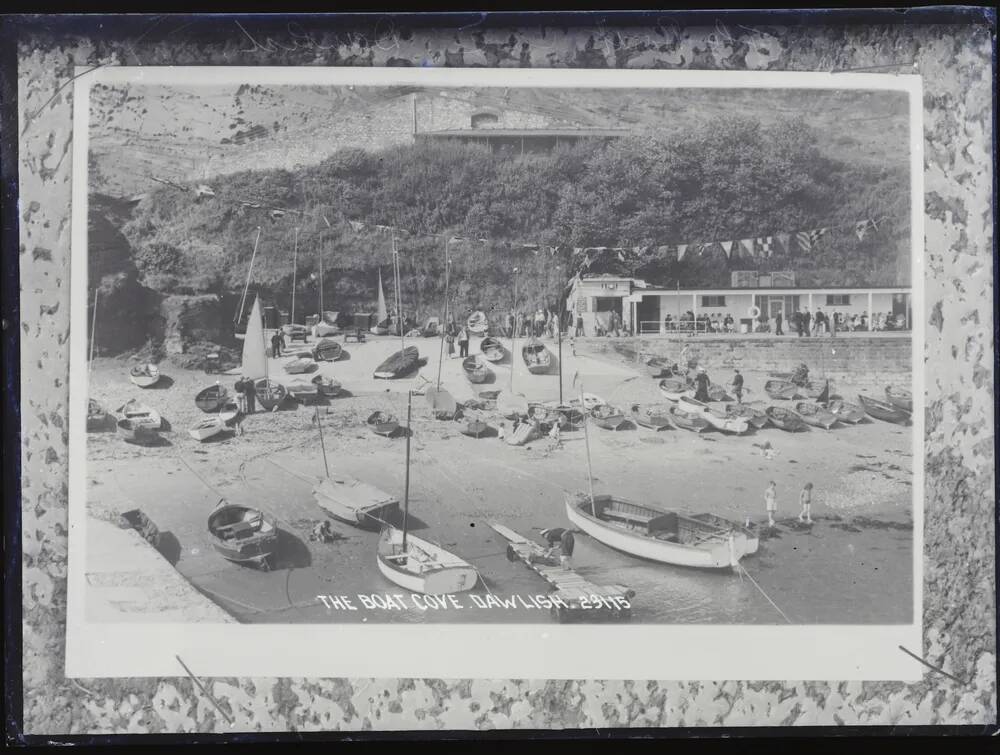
[
  {"x": 775, "y": 306},
  {"x": 648, "y": 314}
]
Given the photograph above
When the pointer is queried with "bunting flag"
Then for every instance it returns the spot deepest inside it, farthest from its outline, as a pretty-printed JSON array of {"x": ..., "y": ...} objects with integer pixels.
[
  {"x": 356, "y": 225},
  {"x": 860, "y": 229},
  {"x": 765, "y": 246},
  {"x": 681, "y": 249},
  {"x": 727, "y": 247},
  {"x": 746, "y": 248},
  {"x": 807, "y": 240},
  {"x": 784, "y": 240}
]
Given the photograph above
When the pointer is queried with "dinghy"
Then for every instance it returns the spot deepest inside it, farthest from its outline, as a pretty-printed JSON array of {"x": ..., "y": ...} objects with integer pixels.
[
  {"x": 753, "y": 539},
  {"x": 242, "y": 534},
  {"x": 675, "y": 388},
  {"x": 476, "y": 428},
  {"x": 300, "y": 365},
  {"x": 269, "y": 393},
  {"x": 525, "y": 432},
  {"x": 783, "y": 390},
  {"x": 476, "y": 371},
  {"x": 725, "y": 423},
  {"x": 656, "y": 534},
  {"x": 693, "y": 422},
  {"x": 718, "y": 393},
  {"x": 206, "y": 428},
  {"x": 211, "y": 399},
  {"x": 399, "y": 364},
  {"x": 477, "y": 323},
  {"x": 817, "y": 394},
  {"x": 133, "y": 432},
  {"x": 492, "y": 350},
  {"x": 785, "y": 419},
  {"x": 140, "y": 414},
  {"x": 607, "y": 416},
  {"x": 547, "y": 416},
  {"x": 303, "y": 391},
  {"x": 537, "y": 358},
  {"x": 650, "y": 417},
  {"x": 814, "y": 414},
  {"x": 354, "y": 502},
  {"x": 884, "y": 410},
  {"x": 97, "y": 416},
  {"x": 327, "y": 350},
  {"x": 845, "y": 411},
  {"x": 901, "y": 398},
  {"x": 658, "y": 366},
  {"x": 229, "y": 412},
  {"x": 756, "y": 417},
  {"x": 144, "y": 375},
  {"x": 383, "y": 423},
  {"x": 327, "y": 386}
]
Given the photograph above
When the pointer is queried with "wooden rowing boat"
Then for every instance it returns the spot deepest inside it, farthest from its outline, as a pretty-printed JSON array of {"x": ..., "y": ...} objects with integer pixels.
[
  {"x": 383, "y": 423},
  {"x": 537, "y": 358},
  {"x": 525, "y": 432},
  {"x": 657, "y": 366},
  {"x": 355, "y": 502},
  {"x": 725, "y": 422},
  {"x": 132, "y": 432},
  {"x": 814, "y": 414},
  {"x": 475, "y": 428},
  {"x": 845, "y": 411},
  {"x": 327, "y": 386},
  {"x": 656, "y": 534},
  {"x": 421, "y": 566},
  {"x": 211, "y": 399},
  {"x": 785, "y": 419},
  {"x": 398, "y": 364},
  {"x": 269, "y": 393},
  {"x": 476, "y": 371},
  {"x": 901, "y": 398},
  {"x": 300, "y": 365},
  {"x": 693, "y": 422},
  {"x": 207, "y": 427},
  {"x": 140, "y": 414},
  {"x": 144, "y": 375},
  {"x": 327, "y": 350},
  {"x": 477, "y": 323},
  {"x": 97, "y": 416},
  {"x": 492, "y": 350},
  {"x": 242, "y": 534},
  {"x": 756, "y": 417},
  {"x": 229, "y": 412},
  {"x": 547, "y": 415},
  {"x": 884, "y": 410},
  {"x": 607, "y": 416},
  {"x": 753, "y": 539},
  {"x": 651, "y": 417},
  {"x": 675, "y": 388},
  {"x": 783, "y": 390}
]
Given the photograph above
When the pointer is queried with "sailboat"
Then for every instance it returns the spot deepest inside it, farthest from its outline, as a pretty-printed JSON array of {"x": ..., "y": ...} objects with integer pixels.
[
  {"x": 238, "y": 320},
  {"x": 402, "y": 362},
  {"x": 269, "y": 392},
  {"x": 442, "y": 403},
  {"x": 414, "y": 563},
  {"x": 382, "y": 318}
]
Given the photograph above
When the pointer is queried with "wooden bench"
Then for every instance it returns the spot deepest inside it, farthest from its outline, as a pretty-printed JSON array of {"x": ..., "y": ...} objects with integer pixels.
[{"x": 642, "y": 519}]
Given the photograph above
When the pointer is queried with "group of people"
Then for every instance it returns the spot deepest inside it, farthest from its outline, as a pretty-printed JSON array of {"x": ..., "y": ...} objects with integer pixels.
[
  {"x": 456, "y": 333},
  {"x": 805, "y": 502},
  {"x": 541, "y": 322},
  {"x": 702, "y": 323}
]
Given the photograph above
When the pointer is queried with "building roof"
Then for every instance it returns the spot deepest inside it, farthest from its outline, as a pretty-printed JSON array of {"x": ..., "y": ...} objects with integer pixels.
[{"x": 479, "y": 133}]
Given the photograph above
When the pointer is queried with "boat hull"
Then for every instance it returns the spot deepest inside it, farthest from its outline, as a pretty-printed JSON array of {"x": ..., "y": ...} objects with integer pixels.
[
  {"x": 901, "y": 399},
  {"x": 884, "y": 410},
  {"x": 608, "y": 422},
  {"x": 255, "y": 548},
  {"x": 207, "y": 429},
  {"x": 352, "y": 502},
  {"x": 782, "y": 390},
  {"x": 492, "y": 350},
  {"x": 692, "y": 422},
  {"x": 846, "y": 411},
  {"x": 537, "y": 359},
  {"x": 444, "y": 574},
  {"x": 752, "y": 539},
  {"x": 141, "y": 416},
  {"x": 211, "y": 399},
  {"x": 399, "y": 364},
  {"x": 675, "y": 390},
  {"x": 138, "y": 434},
  {"x": 146, "y": 377},
  {"x": 269, "y": 393},
  {"x": 651, "y": 421},
  {"x": 815, "y": 415},
  {"x": 785, "y": 419},
  {"x": 327, "y": 351},
  {"x": 727, "y": 424}
]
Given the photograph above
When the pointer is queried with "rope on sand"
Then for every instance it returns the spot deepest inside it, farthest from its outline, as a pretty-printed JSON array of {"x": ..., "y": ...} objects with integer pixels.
[{"x": 743, "y": 571}]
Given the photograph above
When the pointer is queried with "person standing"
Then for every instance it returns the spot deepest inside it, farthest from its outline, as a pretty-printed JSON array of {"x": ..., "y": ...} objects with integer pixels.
[
  {"x": 797, "y": 322},
  {"x": 770, "y": 502},
  {"x": 277, "y": 341},
  {"x": 805, "y": 499},
  {"x": 777, "y": 325},
  {"x": 738, "y": 387},
  {"x": 579, "y": 325},
  {"x": 509, "y": 324},
  {"x": 807, "y": 322},
  {"x": 241, "y": 399},
  {"x": 251, "y": 396},
  {"x": 463, "y": 342},
  {"x": 701, "y": 382}
]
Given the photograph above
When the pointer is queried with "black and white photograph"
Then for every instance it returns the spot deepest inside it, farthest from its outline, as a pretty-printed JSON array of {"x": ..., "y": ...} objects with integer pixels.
[{"x": 624, "y": 361}]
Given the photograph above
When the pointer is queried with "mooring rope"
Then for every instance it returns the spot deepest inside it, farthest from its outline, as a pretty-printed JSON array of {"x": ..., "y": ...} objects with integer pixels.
[{"x": 742, "y": 571}]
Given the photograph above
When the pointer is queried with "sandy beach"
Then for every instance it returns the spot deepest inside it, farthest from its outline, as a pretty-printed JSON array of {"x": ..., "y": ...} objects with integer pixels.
[{"x": 854, "y": 565}]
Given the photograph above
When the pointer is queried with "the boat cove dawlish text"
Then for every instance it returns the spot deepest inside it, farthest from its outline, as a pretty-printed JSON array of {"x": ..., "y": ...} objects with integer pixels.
[{"x": 401, "y": 602}]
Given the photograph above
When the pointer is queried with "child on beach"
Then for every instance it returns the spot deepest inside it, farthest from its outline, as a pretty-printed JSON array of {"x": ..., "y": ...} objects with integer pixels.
[
  {"x": 770, "y": 502},
  {"x": 501, "y": 430},
  {"x": 805, "y": 498}
]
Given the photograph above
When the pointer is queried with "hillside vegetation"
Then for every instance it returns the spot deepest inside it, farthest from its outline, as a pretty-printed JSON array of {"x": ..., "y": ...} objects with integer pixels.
[{"x": 739, "y": 179}]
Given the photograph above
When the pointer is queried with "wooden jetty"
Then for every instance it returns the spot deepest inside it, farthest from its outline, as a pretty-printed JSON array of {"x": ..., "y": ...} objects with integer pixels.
[{"x": 574, "y": 598}]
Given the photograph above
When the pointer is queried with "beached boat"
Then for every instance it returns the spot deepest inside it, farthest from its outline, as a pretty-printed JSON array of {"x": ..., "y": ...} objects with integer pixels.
[
  {"x": 97, "y": 416},
  {"x": 477, "y": 323},
  {"x": 211, "y": 399},
  {"x": 355, "y": 502},
  {"x": 537, "y": 358},
  {"x": 243, "y": 534},
  {"x": 756, "y": 417},
  {"x": 814, "y": 414},
  {"x": 398, "y": 364},
  {"x": 816, "y": 392},
  {"x": 656, "y": 534},
  {"x": 511, "y": 405},
  {"x": 383, "y": 423},
  {"x": 607, "y": 416},
  {"x": 327, "y": 386},
  {"x": 295, "y": 331},
  {"x": 845, "y": 411},
  {"x": 421, "y": 566},
  {"x": 693, "y": 422},
  {"x": 144, "y": 375},
  {"x": 785, "y": 419},
  {"x": 206, "y": 428},
  {"x": 269, "y": 393},
  {"x": 140, "y": 414},
  {"x": 658, "y": 366},
  {"x": 782, "y": 390},
  {"x": 441, "y": 402},
  {"x": 675, "y": 388},
  {"x": 133, "y": 432},
  {"x": 432, "y": 328},
  {"x": 547, "y": 415},
  {"x": 750, "y": 532},
  {"x": 901, "y": 398},
  {"x": 724, "y": 422},
  {"x": 525, "y": 432},
  {"x": 303, "y": 391},
  {"x": 229, "y": 412},
  {"x": 381, "y": 328},
  {"x": 492, "y": 350},
  {"x": 475, "y": 428},
  {"x": 651, "y": 417},
  {"x": 300, "y": 365},
  {"x": 717, "y": 393},
  {"x": 884, "y": 410},
  {"x": 327, "y": 350},
  {"x": 476, "y": 371}
]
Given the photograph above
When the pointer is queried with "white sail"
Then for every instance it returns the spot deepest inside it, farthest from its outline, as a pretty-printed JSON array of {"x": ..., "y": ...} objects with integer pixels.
[
  {"x": 383, "y": 312},
  {"x": 254, "y": 356}
]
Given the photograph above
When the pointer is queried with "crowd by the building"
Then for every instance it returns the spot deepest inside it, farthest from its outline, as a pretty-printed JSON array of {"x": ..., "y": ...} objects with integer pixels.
[{"x": 801, "y": 322}]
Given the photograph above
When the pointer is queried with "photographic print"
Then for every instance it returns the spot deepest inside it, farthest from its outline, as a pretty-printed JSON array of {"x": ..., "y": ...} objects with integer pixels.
[{"x": 504, "y": 365}]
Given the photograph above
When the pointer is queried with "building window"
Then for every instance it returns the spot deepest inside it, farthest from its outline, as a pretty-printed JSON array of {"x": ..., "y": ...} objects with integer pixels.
[
  {"x": 838, "y": 300},
  {"x": 713, "y": 301},
  {"x": 485, "y": 120}
]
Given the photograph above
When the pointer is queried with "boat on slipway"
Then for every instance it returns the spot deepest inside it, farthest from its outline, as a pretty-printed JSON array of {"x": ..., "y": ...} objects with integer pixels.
[
  {"x": 207, "y": 427},
  {"x": 726, "y": 423},
  {"x": 242, "y": 534},
  {"x": 651, "y": 417},
  {"x": 785, "y": 419},
  {"x": 816, "y": 415}
]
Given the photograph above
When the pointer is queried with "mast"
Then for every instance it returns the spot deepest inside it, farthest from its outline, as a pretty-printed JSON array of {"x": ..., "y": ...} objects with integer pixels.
[
  {"x": 93, "y": 333},
  {"x": 559, "y": 324},
  {"x": 320, "y": 303},
  {"x": 590, "y": 471},
  {"x": 243, "y": 300},
  {"x": 513, "y": 336},
  {"x": 295, "y": 270},
  {"x": 322, "y": 445},
  {"x": 399, "y": 292},
  {"x": 406, "y": 484},
  {"x": 447, "y": 275}
]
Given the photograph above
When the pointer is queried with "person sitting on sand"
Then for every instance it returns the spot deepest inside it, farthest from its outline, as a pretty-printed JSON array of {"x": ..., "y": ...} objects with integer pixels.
[
  {"x": 805, "y": 498},
  {"x": 770, "y": 502}
]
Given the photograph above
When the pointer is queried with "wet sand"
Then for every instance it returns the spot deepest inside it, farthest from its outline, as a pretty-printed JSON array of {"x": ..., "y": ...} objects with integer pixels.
[{"x": 854, "y": 565}]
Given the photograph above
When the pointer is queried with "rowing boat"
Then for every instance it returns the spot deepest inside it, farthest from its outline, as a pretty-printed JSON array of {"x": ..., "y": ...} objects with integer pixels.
[
  {"x": 475, "y": 428},
  {"x": 607, "y": 416},
  {"x": 651, "y": 417},
  {"x": 421, "y": 566},
  {"x": 398, "y": 364},
  {"x": 693, "y": 422},
  {"x": 537, "y": 358},
  {"x": 327, "y": 386},
  {"x": 845, "y": 411},
  {"x": 814, "y": 414},
  {"x": 783, "y": 390},
  {"x": 785, "y": 419},
  {"x": 269, "y": 393},
  {"x": 302, "y": 391},
  {"x": 901, "y": 398},
  {"x": 656, "y": 534},
  {"x": 243, "y": 534},
  {"x": 492, "y": 349},
  {"x": 211, "y": 399},
  {"x": 546, "y": 416},
  {"x": 477, "y": 323},
  {"x": 327, "y": 350},
  {"x": 206, "y": 428},
  {"x": 884, "y": 410},
  {"x": 525, "y": 432},
  {"x": 476, "y": 371},
  {"x": 748, "y": 531},
  {"x": 132, "y": 432},
  {"x": 383, "y": 423},
  {"x": 300, "y": 365},
  {"x": 756, "y": 417},
  {"x": 657, "y": 366},
  {"x": 144, "y": 375},
  {"x": 675, "y": 388},
  {"x": 355, "y": 502},
  {"x": 229, "y": 411},
  {"x": 140, "y": 414},
  {"x": 724, "y": 422}
]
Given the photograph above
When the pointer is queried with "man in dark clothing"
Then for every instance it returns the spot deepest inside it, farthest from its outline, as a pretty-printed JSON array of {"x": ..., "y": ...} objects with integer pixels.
[
  {"x": 807, "y": 323},
  {"x": 702, "y": 382},
  {"x": 277, "y": 342},
  {"x": 777, "y": 325},
  {"x": 579, "y": 325},
  {"x": 251, "y": 395},
  {"x": 738, "y": 387},
  {"x": 798, "y": 323},
  {"x": 563, "y": 539}
]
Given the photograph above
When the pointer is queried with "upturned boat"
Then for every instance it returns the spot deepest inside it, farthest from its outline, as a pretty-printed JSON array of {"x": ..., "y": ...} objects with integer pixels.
[
  {"x": 693, "y": 422},
  {"x": 656, "y": 534},
  {"x": 650, "y": 417},
  {"x": 211, "y": 399},
  {"x": 607, "y": 416},
  {"x": 884, "y": 410},
  {"x": 756, "y": 417},
  {"x": 383, "y": 423},
  {"x": 537, "y": 358},
  {"x": 355, "y": 502},
  {"x": 327, "y": 350},
  {"x": 492, "y": 350},
  {"x": 269, "y": 393},
  {"x": 398, "y": 364},
  {"x": 475, "y": 371},
  {"x": 144, "y": 375},
  {"x": 300, "y": 365},
  {"x": 207, "y": 427},
  {"x": 724, "y": 422},
  {"x": 327, "y": 386},
  {"x": 845, "y": 411},
  {"x": 242, "y": 534},
  {"x": 785, "y": 419},
  {"x": 814, "y": 414},
  {"x": 675, "y": 388},
  {"x": 140, "y": 414},
  {"x": 783, "y": 390},
  {"x": 901, "y": 398}
]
